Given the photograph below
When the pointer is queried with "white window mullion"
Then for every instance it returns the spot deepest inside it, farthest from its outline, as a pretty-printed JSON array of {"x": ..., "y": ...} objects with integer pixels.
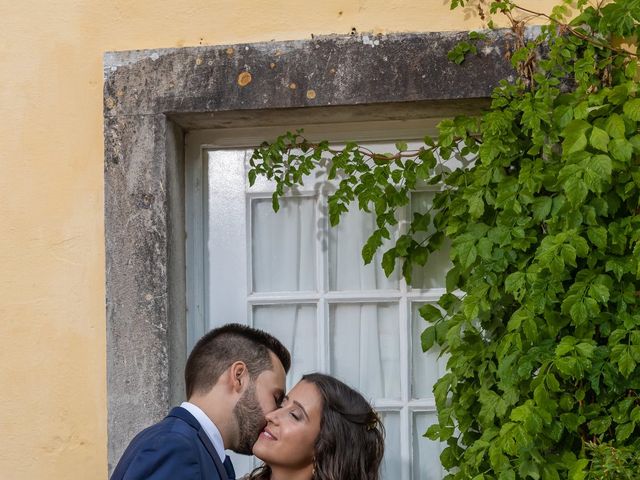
[
  {"x": 423, "y": 405},
  {"x": 322, "y": 269},
  {"x": 405, "y": 372},
  {"x": 405, "y": 441},
  {"x": 404, "y": 321},
  {"x": 426, "y": 296},
  {"x": 380, "y": 296},
  {"x": 282, "y": 298}
]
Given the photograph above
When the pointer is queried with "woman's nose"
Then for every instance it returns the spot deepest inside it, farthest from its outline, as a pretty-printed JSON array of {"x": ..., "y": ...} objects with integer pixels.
[{"x": 272, "y": 417}]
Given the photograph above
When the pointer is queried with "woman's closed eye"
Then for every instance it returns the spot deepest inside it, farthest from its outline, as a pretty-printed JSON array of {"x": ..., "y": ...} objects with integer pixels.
[
  {"x": 295, "y": 415},
  {"x": 297, "y": 411}
]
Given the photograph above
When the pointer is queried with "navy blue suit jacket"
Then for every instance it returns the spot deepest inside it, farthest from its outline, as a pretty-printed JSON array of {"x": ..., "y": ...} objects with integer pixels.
[{"x": 177, "y": 448}]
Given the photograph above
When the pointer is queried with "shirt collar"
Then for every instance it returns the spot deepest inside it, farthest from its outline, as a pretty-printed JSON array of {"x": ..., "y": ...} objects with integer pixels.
[{"x": 208, "y": 426}]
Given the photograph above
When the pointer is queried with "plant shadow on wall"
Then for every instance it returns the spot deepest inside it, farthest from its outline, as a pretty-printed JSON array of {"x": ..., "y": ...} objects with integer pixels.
[{"x": 540, "y": 320}]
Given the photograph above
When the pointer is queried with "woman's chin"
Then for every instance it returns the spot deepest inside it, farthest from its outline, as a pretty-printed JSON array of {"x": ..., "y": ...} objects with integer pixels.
[{"x": 260, "y": 450}]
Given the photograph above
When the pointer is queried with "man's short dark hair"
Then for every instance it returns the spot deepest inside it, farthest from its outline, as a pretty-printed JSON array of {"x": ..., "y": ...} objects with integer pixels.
[{"x": 220, "y": 348}]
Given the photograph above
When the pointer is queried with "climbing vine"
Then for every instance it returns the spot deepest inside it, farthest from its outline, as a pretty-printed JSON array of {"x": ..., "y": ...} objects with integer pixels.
[{"x": 540, "y": 319}]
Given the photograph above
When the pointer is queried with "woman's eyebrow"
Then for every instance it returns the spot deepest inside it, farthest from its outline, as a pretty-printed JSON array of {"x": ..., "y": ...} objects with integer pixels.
[{"x": 299, "y": 405}]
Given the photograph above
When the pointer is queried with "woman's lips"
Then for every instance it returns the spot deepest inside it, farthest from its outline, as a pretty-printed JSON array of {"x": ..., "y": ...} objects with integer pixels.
[{"x": 268, "y": 435}]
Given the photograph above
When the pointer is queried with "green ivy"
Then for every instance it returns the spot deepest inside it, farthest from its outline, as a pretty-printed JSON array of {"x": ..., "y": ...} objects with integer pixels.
[
  {"x": 458, "y": 53},
  {"x": 540, "y": 320}
]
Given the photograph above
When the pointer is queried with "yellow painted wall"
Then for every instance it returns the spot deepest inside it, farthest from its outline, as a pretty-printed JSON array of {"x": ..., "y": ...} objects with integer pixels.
[{"x": 52, "y": 310}]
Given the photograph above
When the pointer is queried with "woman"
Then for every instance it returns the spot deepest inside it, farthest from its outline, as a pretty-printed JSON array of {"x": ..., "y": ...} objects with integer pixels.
[{"x": 324, "y": 430}]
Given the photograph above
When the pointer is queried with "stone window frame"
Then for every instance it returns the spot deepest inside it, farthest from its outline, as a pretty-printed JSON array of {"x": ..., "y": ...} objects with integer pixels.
[{"x": 152, "y": 98}]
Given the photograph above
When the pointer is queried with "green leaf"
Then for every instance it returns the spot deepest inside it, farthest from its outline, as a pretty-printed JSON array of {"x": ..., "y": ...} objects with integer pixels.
[
  {"x": 433, "y": 432},
  {"x": 571, "y": 421},
  {"x": 476, "y": 206},
  {"x": 578, "y": 312},
  {"x": 252, "y": 177},
  {"x": 576, "y": 190},
  {"x": 581, "y": 110},
  {"x": 485, "y": 247},
  {"x": 430, "y": 313},
  {"x": 467, "y": 254},
  {"x": 597, "y": 236},
  {"x": 521, "y": 413},
  {"x": 508, "y": 474},
  {"x": 577, "y": 470},
  {"x": 530, "y": 328},
  {"x": 635, "y": 415},
  {"x": 388, "y": 260},
  {"x": 567, "y": 366},
  {"x": 552, "y": 382},
  {"x": 632, "y": 109},
  {"x": 575, "y": 138},
  {"x": 428, "y": 338},
  {"x": 621, "y": 149},
  {"x": 563, "y": 115},
  {"x": 626, "y": 363},
  {"x": 514, "y": 282},
  {"x": 275, "y": 202},
  {"x": 624, "y": 431},
  {"x": 453, "y": 276},
  {"x": 598, "y": 170},
  {"x": 599, "y": 292},
  {"x": 529, "y": 469},
  {"x": 574, "y": 143},
  {"x": 617, "y": 266},
  {"x": 599, "y": 425},
  {"x": 541, "y": 208},
  {"x": 615, "y": 126},
  {"x": 519, "y": 316},
  {"x": 599, "y": 139}
]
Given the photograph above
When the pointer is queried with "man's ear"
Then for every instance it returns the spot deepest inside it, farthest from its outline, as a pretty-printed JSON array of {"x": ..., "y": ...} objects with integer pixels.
[{"x": 238, "y": 375}]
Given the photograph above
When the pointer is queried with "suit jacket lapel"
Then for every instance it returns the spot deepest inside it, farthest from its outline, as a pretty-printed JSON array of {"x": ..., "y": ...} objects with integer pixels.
[
  {"x": 190, "y": 419},
  {"x": 214, "y": 455}
]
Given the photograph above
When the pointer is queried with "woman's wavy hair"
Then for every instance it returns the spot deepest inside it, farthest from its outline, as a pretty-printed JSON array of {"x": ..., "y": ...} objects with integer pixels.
[{"x": 350, "y": 444}]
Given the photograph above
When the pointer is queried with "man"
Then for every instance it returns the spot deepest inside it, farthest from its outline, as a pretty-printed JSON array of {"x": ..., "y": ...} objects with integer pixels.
[{"x": 234, "y": 376}]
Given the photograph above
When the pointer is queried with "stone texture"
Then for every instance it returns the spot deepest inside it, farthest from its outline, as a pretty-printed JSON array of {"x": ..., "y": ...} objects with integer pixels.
[
  {"x": 152, "y": 97},
  {"x": 323, "y": 71},
  {"x": 136, "y": 256}
]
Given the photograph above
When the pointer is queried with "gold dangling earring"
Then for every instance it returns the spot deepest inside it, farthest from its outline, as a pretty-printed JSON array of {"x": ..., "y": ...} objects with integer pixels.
[{"x": 313, "y": 468}]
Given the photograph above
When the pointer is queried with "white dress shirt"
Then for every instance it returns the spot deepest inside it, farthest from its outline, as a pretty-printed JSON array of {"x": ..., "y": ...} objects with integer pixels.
[{"x": 208, "y": 426}]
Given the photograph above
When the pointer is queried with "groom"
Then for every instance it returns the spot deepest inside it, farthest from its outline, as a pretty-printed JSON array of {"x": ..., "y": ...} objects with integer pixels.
[{"x": 234, "y": 376}]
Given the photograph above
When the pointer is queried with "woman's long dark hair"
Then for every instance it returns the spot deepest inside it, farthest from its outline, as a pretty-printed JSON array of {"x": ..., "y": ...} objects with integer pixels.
[{"x": 350, "y": 444}]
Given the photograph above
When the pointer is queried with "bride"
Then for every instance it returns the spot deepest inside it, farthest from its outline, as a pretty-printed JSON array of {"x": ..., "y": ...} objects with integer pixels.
[{"x": 323, "y": 430}]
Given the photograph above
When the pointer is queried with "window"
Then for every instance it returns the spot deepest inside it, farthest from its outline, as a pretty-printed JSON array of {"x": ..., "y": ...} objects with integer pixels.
[
  {"x": 144, "y": 168},
  {"x": 292, "y": 275}
]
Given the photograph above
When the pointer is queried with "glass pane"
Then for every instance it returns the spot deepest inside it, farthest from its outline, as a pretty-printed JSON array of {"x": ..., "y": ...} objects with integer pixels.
[
  {"x": 392, "y": 461},
  {"x": 426, "y": 453},
  {"x": 226, "y": 292},
  {"x": 426, "y": 367},
  {"x": 283, "y": 245},
  {"x": 295, "y": 327},
  {"x": 365, "y": 347},
  {"x": 347, "y": 270},
  {"x": 433, "y": 274}
]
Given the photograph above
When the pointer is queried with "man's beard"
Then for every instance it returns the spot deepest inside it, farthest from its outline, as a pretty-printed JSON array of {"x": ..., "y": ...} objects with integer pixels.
[{"x": 250, "y": 420}]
